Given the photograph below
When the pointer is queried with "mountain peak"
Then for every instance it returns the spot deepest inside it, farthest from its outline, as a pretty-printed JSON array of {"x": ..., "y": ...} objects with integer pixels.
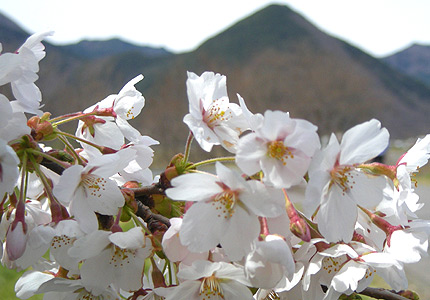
[
  {"x": 11, "y": 35},
  {"x": 273, "y": 26},
  {"x": 101, "y": 48}
]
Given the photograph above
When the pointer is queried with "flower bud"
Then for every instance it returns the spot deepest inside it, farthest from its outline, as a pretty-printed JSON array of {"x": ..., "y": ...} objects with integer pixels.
[
  {"x": 300, "y": 228},
  {"x": 131, "y": 185},
  {"x": 16, "y": 240},
  {"x": 130, "y": 201},
  {"x": 41, "y": 128}
]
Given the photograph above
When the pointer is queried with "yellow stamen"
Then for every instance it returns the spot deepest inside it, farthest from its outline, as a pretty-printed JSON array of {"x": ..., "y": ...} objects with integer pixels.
[
  {"x": 343, "y": 177},
  {"x": 225, "y": 202},
  {"x": 211, "y": 287},
  {"x": 277, "y": 150}
]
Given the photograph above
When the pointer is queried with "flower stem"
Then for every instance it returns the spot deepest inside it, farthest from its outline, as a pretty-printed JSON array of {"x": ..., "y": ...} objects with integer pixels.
[
  {"x": 24, "y": 179},
  {"x": 69, "y": 117},
  {"x": 72, "y": 150},
  {"x": 81, "y": 140},
  {"x": 55, "y": 207},
  {"x": 188, "y": 147},
  {"x": 61, "y": 163},
  {"x": 211, "y": 161}
]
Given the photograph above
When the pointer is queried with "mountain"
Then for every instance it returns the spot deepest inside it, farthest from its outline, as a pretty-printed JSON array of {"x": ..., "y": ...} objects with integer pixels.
[
  {"x": 96, "y": 49},
  {"x": 11, "y": 35},
  {"x": 275, "y": 59},
  {"x": 413, "y": 61}
]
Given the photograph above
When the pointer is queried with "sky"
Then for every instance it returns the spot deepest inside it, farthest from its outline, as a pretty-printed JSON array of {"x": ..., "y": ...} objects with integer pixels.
[{"x": 379, "y": 27}]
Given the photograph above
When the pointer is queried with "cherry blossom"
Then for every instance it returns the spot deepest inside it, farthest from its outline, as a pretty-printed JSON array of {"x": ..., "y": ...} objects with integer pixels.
[
  {"x": 212, "y": 118},
  {"x": 15, "y": 125},
  {"x": 225, "y": 210},
  {"x": 336, "y": 185},
  {"x": 20, "y": 70},
  {"x": 8, "y": 168},
  {"x": 282, "y": 147},
  {"x": 217, "y": 280},
  {"x": 111, "y": 130},
  {"x": 112, "y": 258},
  {"x": 269, "y": 261},
  {"x": 87, "y": 190}
]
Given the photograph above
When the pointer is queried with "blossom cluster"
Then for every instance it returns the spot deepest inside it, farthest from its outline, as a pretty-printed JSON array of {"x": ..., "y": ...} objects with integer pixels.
[{"x": 94, "y": 223}]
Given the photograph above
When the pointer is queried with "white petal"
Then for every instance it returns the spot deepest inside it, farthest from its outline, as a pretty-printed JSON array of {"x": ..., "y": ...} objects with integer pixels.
[
  {"x": 90, "y": 245},
  {"x": 346, "y": 280},
  {"x": 229, "y": 177},
  {"x": 68, "y": 183},
  {"x": 363, "y": 142},
  {"x": 131, "y": 239},
  {"x": 202, "y": 229},
  {"x": 193, "y": 187},
  {"x": 242, "y": 229},
  {"x": 263, "y": 201},
  {"x": 250, "y": 150},
  {"x": 337, "y": 216},
  {"x": 315, "y": 191},
  {"x": 28, "y": 284},
  {"x": 408, "y": 246}
]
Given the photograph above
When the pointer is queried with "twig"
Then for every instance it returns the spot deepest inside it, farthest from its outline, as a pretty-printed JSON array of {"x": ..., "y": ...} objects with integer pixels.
[
  {"x": 148, "y": 190},
  {"x": 380, "y": 293},
  {"x": 155, "y": 222}
]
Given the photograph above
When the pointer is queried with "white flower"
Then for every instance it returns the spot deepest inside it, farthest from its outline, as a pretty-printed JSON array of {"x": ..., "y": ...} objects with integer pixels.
[
  {"x": 269, "y": 261},
  {"x": 336, "y": 185},
  {"x": 9, "y": 172},
  {"x": 407, "y": 245},
  {"x": 211, "y": 118},
  {"x": 210, "y": 280},
  {"x": 127, "y": 105},
  {"x": 87, "y": 190},
  {"x": 112, "y": 258},
  {"x": 417, "y": 156},
  {"x": 15, "y": 124},
  {"x": 57, "y": 238},
  {"x": 225, "y": 210},
  {"x": 172, "y": 247},
  {"x": 29, "y": 282},
  {"x": 345, "y": 269},
  {"x": 59, "y": 288},
  {"x": 282, "y": 147},
  {"x": 20, "y": 70},
  {"x": 110, "y": 131}
]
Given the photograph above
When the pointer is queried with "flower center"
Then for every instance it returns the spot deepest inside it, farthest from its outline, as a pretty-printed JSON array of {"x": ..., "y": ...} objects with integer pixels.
[
  {"x": 333, "y": 264},
  {"x": 211, "y": 287},
  {"x": 343, "y": 177},
  {"x": 121, "y": 257},
  {"x": 61, "y": 241},
  {"x": 216, "y": 113},
  {"x": 225, "y": 203},
  {"x": 277, "y": 150},
  {"x": 95, "y": 184}
]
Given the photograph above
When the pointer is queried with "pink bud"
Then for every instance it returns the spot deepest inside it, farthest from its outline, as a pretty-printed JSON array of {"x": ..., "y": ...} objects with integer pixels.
[
  {"x": 300, "y": 228},
  {"x": 16, "y": 240}
]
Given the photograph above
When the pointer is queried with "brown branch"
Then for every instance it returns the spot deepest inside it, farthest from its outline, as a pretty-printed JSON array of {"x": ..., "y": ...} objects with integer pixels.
[
  {"x": 155, "y": 221},
  {"x": 380, "y": 293},
  {"x": 148, "y": 190}
]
